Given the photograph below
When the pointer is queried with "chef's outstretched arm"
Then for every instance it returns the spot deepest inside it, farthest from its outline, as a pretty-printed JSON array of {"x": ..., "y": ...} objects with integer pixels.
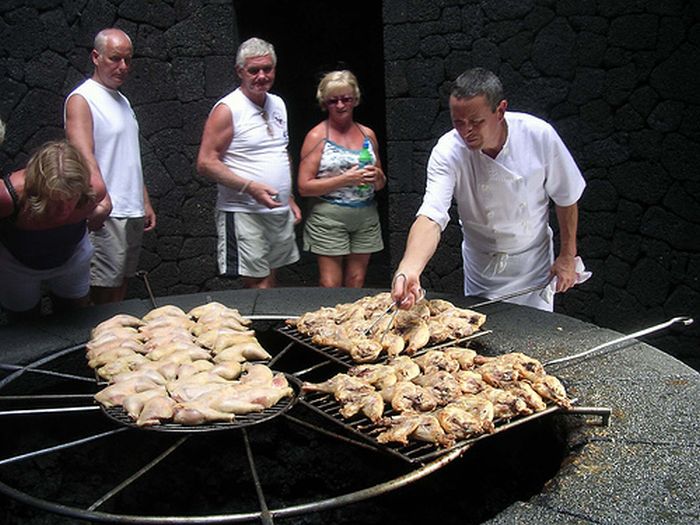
[
  {"x": 564, "y": 267},
  {"x": 423, "y": 239}
]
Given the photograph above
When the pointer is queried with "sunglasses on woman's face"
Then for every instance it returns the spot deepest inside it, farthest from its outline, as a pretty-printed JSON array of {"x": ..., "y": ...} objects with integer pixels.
[{"x": 335, "y": 100}]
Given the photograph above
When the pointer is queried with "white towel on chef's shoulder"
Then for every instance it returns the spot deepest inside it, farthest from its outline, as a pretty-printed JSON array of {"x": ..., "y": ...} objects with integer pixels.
[{"x": 582, "y": 275}]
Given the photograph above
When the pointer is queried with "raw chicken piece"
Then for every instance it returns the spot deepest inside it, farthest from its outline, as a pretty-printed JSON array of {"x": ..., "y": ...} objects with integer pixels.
[
  {"x": 169, "y": 310},
  {"x": 110, "y": 356},
  {"x": 177, "y": 346},
  {"x": 131, "y": 344},
  {"x": 257, "y": 374},
  {"x": 171, "y": 336},
  {"x": 148, "y": 373},
  {"x": 214, "y": 309},
  {"x": 120, "y": 365},
  {"x": 228, "y": 370},
  {"x": 217, "y": 340},
  {"x": 133, "y": 403},
  {"x": 119, "y": 320},
  {"x": 156, "y": 410},
  {"x": 180, "y": 355},
  {"x": 208, "y": 324},
  {"x": 114, "y": 395}
]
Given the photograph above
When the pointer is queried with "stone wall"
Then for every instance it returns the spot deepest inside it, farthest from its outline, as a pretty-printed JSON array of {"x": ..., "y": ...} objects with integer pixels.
[{"x": 618, "y": 80}]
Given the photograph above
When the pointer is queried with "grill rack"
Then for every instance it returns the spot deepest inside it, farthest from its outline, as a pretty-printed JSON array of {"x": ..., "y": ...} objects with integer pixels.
[
  {"x": 119, "y": 415},
  {"x": 415, "y": 452},
  {"x": 339, "y": 356}
]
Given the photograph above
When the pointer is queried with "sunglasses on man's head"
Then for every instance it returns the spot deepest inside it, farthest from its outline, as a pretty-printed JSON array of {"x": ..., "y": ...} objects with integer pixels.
[
  {"x": 254, "y": 70},
  {"x": 335, "y": 100}
]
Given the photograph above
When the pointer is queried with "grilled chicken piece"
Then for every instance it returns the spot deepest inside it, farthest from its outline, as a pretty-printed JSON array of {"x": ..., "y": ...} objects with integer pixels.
[
  {"x": 406, "y": 369},
  {"x": 524, "y": 391},
  {"x": 464, "y": 356},
  {"x": 413, "y": 329},
  {"x": 470, "y": 382},
  {"x": 459, "y": 422},
  {"x": 445, "y": 326},
  {"x": 549, "y": 387},
  {"x": 168, "y": 310},
  {"x": 119, "y": 320},
  {"x": 380, "y": 376},
  {"x": 361, "y": 349},
  {"x": 156, "y": 410},
  {"x": 342, "y": 386},
  {"x": 309, "y": 322},
  {"x": 497, "y": 373},
  {"x": 505, "y": 404},
  {"x": 435, "y": 360},
  {"x": 480, "y": 408},
  {"x": 441, "y": 384},
  {"x": 399, "y": 428},
  {"x": 407, "y": 396},
  {"x": 371, "y": 404}
]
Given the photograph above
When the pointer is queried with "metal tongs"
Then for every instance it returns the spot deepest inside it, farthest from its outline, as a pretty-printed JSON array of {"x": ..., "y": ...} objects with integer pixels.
[{"x": 393, "y": 306}]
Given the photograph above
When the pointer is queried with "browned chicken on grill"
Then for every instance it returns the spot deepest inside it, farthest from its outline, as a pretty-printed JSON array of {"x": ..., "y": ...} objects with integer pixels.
[
  {"x": 379, "y": 376},
  {"x": 549, "y": 387},
  {"x": 419, "y": 426},
  {"x": 470, "y": 382},
  {"x": 464, "y": 356},
  {"x": 506, "y": 405},
  {"x": 441, "y": 384},
  {"x": 436, "y": 360},
  {"x": 524, "y": 391},
  {"x": 467, "y": 418},
  {"x": 414, "y": 330},
  {"x": 406, "y": 395},
  {"x": 405, "y": 367}
]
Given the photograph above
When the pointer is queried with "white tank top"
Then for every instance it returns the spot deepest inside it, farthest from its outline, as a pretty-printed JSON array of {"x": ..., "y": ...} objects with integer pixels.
[
  {"x": 116, "y": 137},
  {"x": 258, "y": 151}
]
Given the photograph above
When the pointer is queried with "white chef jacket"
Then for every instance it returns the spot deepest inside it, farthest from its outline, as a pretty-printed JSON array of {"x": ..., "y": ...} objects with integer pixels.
[{"x": 503, "y": 205}]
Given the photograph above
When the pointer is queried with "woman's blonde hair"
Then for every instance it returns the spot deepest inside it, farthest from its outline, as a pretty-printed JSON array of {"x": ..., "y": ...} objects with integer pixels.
[
  {"x": 335, "y": 81},
  {"x": 57, "y": 171}
]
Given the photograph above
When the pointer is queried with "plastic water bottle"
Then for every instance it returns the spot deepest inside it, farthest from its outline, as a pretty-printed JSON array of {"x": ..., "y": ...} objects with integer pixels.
[{"x": 364, "y": 159}]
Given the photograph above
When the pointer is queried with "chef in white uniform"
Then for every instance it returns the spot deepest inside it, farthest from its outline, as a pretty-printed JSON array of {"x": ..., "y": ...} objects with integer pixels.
[{"x": 502, "y": 168}]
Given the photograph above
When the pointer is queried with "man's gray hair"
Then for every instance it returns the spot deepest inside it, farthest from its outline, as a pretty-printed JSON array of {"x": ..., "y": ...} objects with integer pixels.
[
  {"x": 478, "y": 81},
  {"x": 2, "y": 131},
  {"x": 101, "y": 38},
  {"x": 255, "y": 47}
]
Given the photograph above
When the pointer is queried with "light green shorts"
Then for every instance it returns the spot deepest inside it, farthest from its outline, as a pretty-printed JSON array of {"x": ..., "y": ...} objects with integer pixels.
[{"x": 340, "y": 230}]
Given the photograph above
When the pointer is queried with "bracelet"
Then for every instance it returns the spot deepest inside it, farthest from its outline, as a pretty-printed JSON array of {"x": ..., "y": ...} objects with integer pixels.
[{"x": 244, "y": 187}]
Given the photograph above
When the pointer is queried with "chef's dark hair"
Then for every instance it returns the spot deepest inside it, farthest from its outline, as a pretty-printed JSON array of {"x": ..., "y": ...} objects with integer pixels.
[{"x": 478, "y": 81}]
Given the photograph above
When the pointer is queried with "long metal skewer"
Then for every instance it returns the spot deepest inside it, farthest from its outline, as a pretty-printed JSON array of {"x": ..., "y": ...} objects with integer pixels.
[
  {"x": 511, "y": 295},
  {"x": 686, "y": 321}
]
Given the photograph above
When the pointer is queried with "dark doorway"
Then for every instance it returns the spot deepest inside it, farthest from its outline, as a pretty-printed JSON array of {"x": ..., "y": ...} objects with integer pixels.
[{"x": 313, "y": 37}]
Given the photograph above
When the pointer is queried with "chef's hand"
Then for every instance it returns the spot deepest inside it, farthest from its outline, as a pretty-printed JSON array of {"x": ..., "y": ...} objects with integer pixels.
[
  {"x": 564, "y": 268},
  {"x": 406, "y": 290},
  {"x": 264, "y": 194}
]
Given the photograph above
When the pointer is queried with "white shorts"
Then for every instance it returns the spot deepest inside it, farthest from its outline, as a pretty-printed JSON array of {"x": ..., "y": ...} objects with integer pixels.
[
  {"x": 253, "y": 244},
  {"x": 117, "y": 248},
  {"x": 20, "y": 286}
]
